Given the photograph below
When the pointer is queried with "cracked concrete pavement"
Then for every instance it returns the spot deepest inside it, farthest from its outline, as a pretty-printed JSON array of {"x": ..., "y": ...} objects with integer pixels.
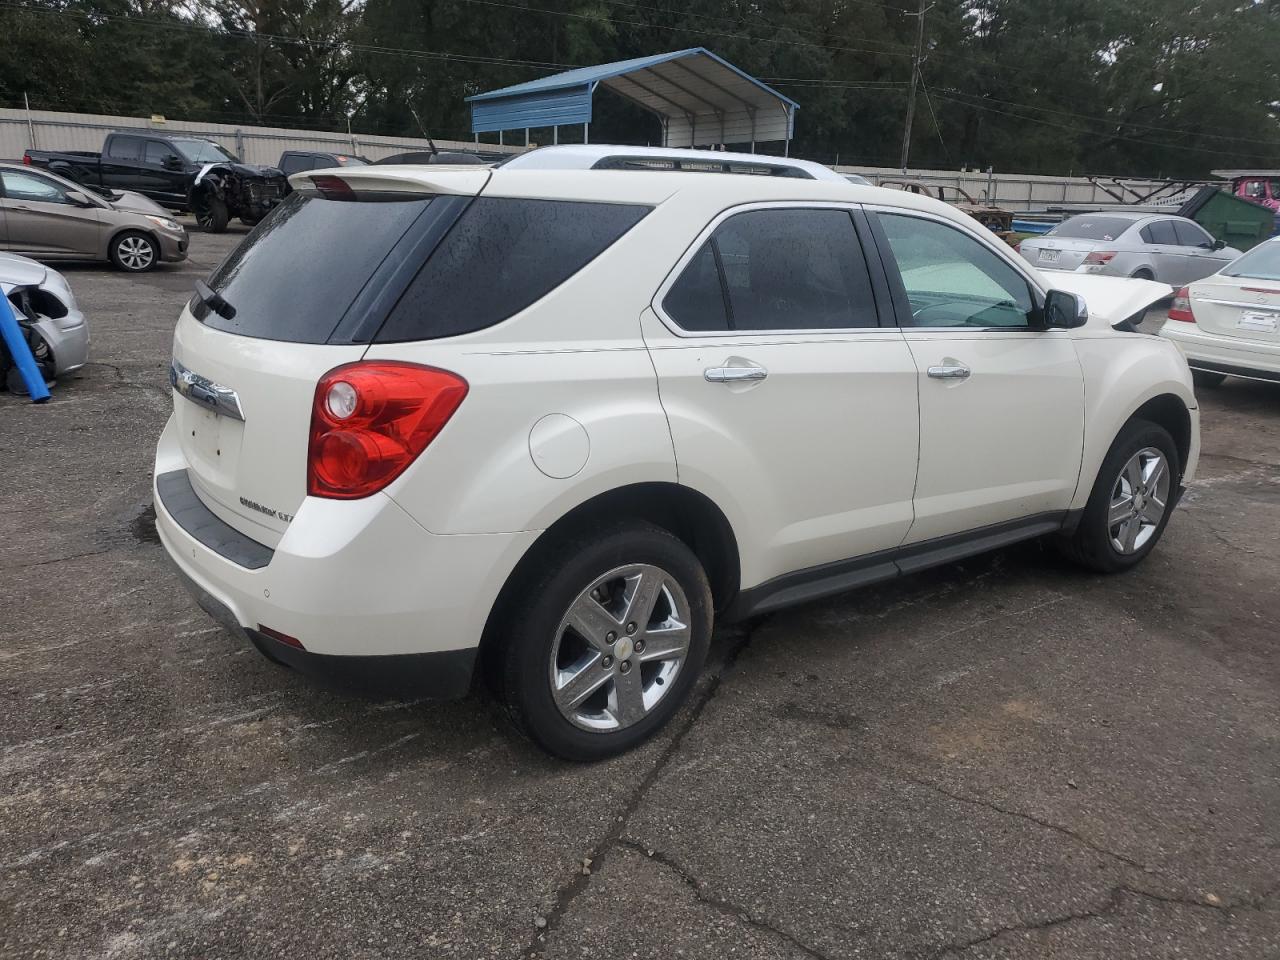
[{"x": 1001, "y": 758}]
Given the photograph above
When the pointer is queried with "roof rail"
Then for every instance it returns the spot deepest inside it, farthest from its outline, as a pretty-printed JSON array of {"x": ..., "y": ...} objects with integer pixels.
[{"x": 700, "y": 165}]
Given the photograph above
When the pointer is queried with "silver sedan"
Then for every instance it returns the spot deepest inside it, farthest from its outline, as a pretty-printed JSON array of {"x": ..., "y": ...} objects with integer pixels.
[
  {"x": 42, "y": 301},
  {"x": 1172, "y": 250}
]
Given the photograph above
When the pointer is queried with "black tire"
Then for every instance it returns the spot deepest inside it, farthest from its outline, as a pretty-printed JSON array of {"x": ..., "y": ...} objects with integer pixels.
[
  {"x": 1091, "y": 544},
  {"x": 531, "y": 637},
  {"x": 211, "y": 213},
  {"x": 1207, "y": 380},
  {"x": 134, "y": 251}
]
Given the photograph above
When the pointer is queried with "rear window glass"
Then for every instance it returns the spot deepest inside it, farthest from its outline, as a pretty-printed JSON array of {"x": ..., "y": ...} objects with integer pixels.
[
  {"x": 1091, "y": 228},
  {"x": 502, "y": 255},
  {"x": 1260, "y": 263},
  {"x": 294, "y": 276}
]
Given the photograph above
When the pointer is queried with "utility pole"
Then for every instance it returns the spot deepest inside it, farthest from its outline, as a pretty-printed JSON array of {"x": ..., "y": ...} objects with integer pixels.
[{"x": 915, "y": 75}]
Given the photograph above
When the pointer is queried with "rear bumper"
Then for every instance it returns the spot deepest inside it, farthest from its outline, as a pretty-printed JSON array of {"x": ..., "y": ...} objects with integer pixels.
[
  {"x": 376, "y": 601},
  {"x": 443, "y": 675},
  {"x": 1236, "y": 356}
]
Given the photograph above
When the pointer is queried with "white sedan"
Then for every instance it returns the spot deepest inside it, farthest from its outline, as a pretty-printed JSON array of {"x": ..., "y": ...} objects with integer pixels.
[{"x": 1228, "y": 324}]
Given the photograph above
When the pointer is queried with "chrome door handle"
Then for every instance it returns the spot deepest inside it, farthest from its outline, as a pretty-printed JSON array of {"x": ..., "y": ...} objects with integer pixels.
[
  {"x": 949, "y": 371},
  {"x": 734, "y": 374}
]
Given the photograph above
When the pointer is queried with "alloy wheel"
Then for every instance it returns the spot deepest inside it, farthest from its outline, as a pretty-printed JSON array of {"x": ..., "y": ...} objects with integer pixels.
[
  {"x": 619, "y": 648},
  {"x": 1138, "y": 501},
  {"x": 136, "y": 253}
]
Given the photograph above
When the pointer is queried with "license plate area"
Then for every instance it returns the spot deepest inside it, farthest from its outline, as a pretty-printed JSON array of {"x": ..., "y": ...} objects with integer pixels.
[
  {"x": 211, "y": 443},
  {"x": 1049, "y": 256},
  {"x": 1257, "y": 321}
]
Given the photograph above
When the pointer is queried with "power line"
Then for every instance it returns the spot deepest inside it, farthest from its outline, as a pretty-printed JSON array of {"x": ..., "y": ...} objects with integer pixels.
[
  {"x": 689, "y": 30},
  {"x": 1112, "y": 120},
  {"x": 1113, "y": 136}
]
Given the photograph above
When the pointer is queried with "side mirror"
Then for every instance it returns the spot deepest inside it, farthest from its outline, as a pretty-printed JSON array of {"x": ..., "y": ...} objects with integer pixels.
[
  {"x": 1219, "y": 244},
  {"x": 79, "y": 199},
  {"x": 1064, "y": 311},
  {"x": 172, "y": 162}
]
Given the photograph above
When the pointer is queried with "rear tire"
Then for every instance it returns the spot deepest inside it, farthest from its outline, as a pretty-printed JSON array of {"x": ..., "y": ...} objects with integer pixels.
[
  {"x": 1143, "y": 275},
  {"x": 1207, "y": 380},
  {"x": 1131, "y": 501},
  {"x": 134, "y": 251},
  {"x": 639, "y": 593}
]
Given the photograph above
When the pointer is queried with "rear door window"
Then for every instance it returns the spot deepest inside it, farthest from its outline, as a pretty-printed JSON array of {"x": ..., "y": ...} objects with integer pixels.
[
  {"x": 296, "y": 162},
  {"x": 1162, "y": 232},
  {"x": 777, "y": 269},
  {"x": 501, "y": 256},
  {"x": 298, "y": 271}
]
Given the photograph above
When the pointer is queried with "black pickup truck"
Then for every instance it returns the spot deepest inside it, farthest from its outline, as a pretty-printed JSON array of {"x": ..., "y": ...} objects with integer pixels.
[{"x": 181, "y": 173}]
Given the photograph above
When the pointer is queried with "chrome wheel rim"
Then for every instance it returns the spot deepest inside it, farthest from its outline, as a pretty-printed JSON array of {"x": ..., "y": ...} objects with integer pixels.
[
  {"x": 1138, "y": 501},
  {"x": 136, "y": 253},
  {"x": 619, "y": 648}
]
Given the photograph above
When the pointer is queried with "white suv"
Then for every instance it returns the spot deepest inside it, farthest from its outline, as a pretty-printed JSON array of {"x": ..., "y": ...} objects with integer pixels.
[{"x": 545, "y": 426}]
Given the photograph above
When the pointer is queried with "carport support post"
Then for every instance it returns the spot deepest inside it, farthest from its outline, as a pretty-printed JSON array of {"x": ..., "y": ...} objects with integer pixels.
[
  {"x": 586, "y": 134},
  {"x": 555, "y": 134}
]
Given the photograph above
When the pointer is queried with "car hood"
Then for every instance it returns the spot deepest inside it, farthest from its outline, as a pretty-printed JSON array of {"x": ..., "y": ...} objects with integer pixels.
[
  {"x": 16, "y": 271},
  {"x": 129, "y": 202},
  {"x": 1111, "y": 300}
]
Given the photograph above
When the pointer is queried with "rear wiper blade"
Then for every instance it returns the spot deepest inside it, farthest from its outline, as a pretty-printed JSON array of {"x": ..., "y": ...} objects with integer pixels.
[{"x": 214, "y": 301}]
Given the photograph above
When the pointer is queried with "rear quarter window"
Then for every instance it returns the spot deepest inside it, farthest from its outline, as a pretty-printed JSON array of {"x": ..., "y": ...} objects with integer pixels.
[{"x": 501, "y": 256}]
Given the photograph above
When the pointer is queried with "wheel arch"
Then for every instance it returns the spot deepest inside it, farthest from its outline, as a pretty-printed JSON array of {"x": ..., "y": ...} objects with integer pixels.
[
  {"x": 687, "y": 514},
  {"x": 1170, "y": 412}
]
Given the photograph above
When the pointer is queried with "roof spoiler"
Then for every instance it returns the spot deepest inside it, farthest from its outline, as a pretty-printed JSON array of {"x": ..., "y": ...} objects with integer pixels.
[{"x": 356, "y": 183}]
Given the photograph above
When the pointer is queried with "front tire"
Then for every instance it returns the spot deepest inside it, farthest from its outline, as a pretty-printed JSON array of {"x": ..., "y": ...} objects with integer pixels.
[
  {"x": 1131, "y": 501},
  {"x": 212, "y": 213},
  {"x": 602, "y": 648},
  {"x": 134, "y": 252}
]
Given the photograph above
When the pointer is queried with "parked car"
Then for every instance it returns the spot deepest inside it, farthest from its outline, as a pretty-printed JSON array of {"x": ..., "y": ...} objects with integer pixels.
[
  {"x": 180, "y": 173},
  {"x": 451, "y": 158},
  {"x": 296, "y": 161},
  {"x": 1229, "y": 324},
  {"x": 44, "y": 306},
  {"x": 49, "y": 218},
  {"x": 545, "y": 427},
  {"x": 1172, "y": 250}
]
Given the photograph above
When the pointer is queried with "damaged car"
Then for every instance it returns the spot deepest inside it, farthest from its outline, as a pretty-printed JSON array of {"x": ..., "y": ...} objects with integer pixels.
[
  {"x": 46, "y": 310},
  {"x": 189, "y": 174}
]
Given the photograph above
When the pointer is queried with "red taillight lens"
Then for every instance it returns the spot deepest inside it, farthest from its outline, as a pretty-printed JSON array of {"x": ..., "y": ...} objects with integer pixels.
[
  {"x": 1181, "y": 309},
  {"x": 371, "y": 419},
  {"x": 1099, "y": 257},
  {"x": 333, "y": 188},
  {"x": 26, "y": 158}
]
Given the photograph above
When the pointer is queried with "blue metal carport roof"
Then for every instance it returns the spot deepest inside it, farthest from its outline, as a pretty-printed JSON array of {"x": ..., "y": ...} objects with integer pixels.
[{"x": 700, "y": 98}]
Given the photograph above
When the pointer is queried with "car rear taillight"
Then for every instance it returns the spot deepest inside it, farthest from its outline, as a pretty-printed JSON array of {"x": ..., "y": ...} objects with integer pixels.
[
  {"x": 26, "y": 158},
  {"x": 1181, "y": 309},
  {"x": 371, "y": 419},
  {"x": 1100, "y": 257}
]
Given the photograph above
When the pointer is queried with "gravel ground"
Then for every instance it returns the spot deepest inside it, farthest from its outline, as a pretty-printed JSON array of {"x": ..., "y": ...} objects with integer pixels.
[{"x": 1001, "y": 758}]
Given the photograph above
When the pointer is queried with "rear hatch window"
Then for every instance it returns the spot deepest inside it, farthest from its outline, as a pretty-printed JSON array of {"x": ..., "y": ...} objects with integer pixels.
[
  {"x": 296, "y": 274},
  {"x": 1091, "y": 228}
]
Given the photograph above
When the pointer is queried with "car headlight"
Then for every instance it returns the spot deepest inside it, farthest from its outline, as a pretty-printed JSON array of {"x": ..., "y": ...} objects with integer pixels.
[{"x": 164, "y": 223}]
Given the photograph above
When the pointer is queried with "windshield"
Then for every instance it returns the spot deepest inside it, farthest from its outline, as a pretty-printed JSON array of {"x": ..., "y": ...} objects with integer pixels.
[
  {"x": 1091, "y": 228},
  {"x": 1260, "y": 263},
  {"x": 204, "y": 151}
]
